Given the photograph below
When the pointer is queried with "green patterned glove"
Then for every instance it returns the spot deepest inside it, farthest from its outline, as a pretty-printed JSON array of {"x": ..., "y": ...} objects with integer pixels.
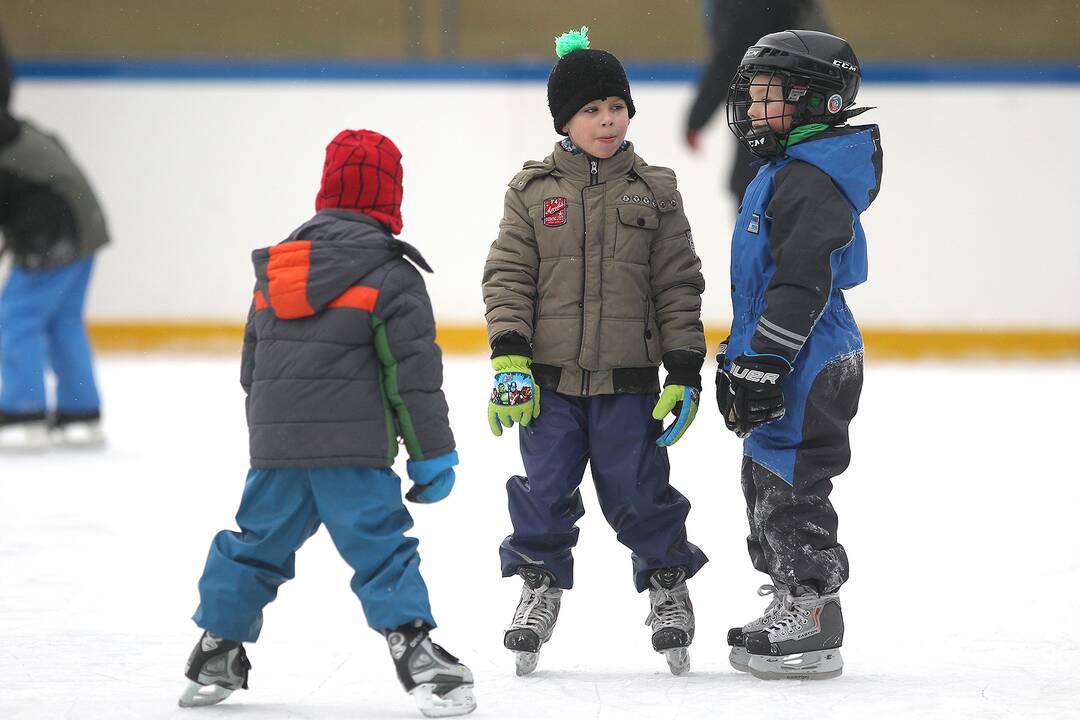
[
  {"x": 515, "y": 397},
  {"x": 681, "y": 400}
]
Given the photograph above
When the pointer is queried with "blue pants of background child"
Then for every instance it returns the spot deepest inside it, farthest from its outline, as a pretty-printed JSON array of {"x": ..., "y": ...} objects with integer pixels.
[
  {"x": 280, "y": 509},
  {"x": 41, "y": 320},
  {"x": 616, "y": 435}
]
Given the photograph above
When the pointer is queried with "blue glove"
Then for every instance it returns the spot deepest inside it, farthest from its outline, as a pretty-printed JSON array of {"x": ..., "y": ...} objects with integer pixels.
[{"x": 433, "y": 479}]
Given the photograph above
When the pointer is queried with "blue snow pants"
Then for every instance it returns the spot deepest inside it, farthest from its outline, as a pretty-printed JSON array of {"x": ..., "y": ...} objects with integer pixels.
[
  {"x": 616, "y": 435},
  {"x": 280, "y": 509},
  {"x": 41, "y": 323}
]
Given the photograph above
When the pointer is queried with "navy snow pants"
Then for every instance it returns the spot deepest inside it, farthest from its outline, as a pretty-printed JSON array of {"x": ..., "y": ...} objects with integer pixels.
[
  {"x": 280, "y": 509},
  {"x": 616, "y": 435}
]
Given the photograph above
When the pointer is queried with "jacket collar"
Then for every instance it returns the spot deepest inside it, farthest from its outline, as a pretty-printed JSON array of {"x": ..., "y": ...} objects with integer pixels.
[
  {"x": 577, "y": 166},
  {"x": 353, "y": 216}
]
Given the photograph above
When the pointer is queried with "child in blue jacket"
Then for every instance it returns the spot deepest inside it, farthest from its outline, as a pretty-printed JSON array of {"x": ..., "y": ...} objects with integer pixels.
[{"x": 790, "y": 373}]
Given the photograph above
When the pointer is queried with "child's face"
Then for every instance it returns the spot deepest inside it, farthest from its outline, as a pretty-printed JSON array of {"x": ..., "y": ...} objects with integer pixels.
[
  {"x": 767, "y": 107},
  {"x": 600, "y": 127}
]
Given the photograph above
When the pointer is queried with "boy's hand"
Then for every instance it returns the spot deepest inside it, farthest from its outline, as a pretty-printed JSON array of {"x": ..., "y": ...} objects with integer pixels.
[
  {"x": 681, "y": 401},
  {"x": 433, "y": 479},
  {"x": 750, "y": 393},
  {"x": 515, "y": 397}
]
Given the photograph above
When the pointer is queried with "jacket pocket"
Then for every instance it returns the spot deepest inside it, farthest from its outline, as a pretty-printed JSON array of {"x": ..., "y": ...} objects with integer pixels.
[
  {"x": 650, "y": 335},
  {"x": 634, "y": 233}
]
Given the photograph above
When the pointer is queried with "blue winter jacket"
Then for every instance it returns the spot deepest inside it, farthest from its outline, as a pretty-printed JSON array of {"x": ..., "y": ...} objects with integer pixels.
[{"x": 798, "y": 244}]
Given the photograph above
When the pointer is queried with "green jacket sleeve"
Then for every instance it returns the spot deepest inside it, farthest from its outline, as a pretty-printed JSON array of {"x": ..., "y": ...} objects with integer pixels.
[
  {"x": 411, "y": 364},
  {"x": 247, "y": 355}
]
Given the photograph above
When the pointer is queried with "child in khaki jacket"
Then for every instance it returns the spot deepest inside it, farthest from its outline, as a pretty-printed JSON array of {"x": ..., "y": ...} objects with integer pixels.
[{"x": 592, "y": 283}]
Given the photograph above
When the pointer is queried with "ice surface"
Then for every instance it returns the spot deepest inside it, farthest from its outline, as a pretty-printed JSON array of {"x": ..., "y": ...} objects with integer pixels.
[{"x": 959, "y": 513}]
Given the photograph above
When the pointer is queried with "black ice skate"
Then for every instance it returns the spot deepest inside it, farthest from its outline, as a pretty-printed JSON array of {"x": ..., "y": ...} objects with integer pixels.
[
  {"x": 802, "y": 641},
  {"x": 671, "y": 617},
  {"x": 441, "y": 685},
  {"x": 214, "y": 669},
  {"x": 534, "y": 619},
  {"x": 736, "y": 637}
]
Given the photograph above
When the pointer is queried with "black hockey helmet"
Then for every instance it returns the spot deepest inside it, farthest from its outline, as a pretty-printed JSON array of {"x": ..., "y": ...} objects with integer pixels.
[{"x": 818, "y": 75}]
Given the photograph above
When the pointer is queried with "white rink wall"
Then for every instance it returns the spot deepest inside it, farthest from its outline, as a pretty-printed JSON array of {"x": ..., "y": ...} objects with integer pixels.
[{"x": 974, "y": 227}]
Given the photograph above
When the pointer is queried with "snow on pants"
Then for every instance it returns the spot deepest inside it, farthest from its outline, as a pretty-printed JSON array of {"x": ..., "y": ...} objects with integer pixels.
[
  {"x": 616, "y": 435},
  {"x": 793, "y": 525},
  {"x": 41, "y": 323},
  {"x": 280, "y": 509}
]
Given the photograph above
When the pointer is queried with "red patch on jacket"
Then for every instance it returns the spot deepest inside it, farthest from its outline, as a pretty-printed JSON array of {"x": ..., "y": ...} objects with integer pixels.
[{"x": 555, "y": 211}]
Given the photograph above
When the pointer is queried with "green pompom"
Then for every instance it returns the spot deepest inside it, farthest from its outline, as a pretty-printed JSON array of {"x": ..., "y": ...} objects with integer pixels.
[{"x": 570, "y": 41}]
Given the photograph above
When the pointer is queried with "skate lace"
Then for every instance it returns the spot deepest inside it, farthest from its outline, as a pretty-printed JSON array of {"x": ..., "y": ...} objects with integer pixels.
[
  {"x": 774, "y": 604},
  {"x": 667, "y": 611},
  {"x": 792, "y": 616},
  {"x": 535, "y": 610}
]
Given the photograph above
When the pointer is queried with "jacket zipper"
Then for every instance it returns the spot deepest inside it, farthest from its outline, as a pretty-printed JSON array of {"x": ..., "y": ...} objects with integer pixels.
[{"x": 594, "y": 179}]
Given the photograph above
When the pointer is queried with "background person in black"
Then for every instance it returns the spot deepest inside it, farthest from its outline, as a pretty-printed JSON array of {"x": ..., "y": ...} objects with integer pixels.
[{"x": 735, "y": 25}]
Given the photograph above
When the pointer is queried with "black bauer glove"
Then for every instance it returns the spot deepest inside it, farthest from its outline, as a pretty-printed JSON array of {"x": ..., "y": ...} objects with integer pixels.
[
  {"x": 723, "y": 387},
  {"x": 750, "y": 393}
]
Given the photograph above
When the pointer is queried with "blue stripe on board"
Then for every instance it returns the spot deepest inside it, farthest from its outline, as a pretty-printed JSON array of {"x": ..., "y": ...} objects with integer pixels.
[{"x": 525, "y": 71}]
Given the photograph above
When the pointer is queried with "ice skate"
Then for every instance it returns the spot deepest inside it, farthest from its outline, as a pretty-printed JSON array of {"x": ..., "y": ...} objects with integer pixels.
[
  {"x": 802, "y": 641},
  {"x": 736, "y": 637},
  {"x": 23, "y": 433},
  {"x": 534, "y": 619},
  {"x": 214, "y": 669},
  {"x": 671, "y": 617},
  {"x": 77, "y": 430},
  {"x": 440, "y": 684}
]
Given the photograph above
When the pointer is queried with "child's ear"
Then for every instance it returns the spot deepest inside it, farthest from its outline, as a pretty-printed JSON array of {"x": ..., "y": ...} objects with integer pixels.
[{"x": 564, "y": 129}]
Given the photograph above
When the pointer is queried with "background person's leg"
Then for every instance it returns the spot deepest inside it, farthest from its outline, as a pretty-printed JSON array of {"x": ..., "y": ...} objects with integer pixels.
[{"x": 69, "y": 347}]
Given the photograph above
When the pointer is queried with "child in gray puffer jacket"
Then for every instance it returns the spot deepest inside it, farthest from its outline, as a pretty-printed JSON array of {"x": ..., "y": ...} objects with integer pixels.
[{"x": 339, "y": 362}]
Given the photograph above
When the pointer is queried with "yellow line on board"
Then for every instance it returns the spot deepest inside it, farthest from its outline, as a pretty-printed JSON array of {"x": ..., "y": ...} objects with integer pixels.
[{"x": 881, "y": 343}]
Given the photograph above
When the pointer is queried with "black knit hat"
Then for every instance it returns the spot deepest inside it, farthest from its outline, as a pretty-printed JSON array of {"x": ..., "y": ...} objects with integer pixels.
[{"x": 583, "y": 75}]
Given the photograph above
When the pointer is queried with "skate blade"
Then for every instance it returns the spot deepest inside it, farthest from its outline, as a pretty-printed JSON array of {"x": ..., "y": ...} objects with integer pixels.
[
  {"x": 816, "y": 665},
  {"x": 678, "y": 660},
  {"x": 459, "y": 701},
  {"x": 739, "y": 659},
  {"x": 196, "y": 695},
  {"x": 525, "y": 662}
]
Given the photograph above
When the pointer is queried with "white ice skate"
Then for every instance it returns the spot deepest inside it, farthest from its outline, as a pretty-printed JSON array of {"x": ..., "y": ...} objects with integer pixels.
[
  {"x": 78, "y": 434},
  {"x": 29, "y": 436}
]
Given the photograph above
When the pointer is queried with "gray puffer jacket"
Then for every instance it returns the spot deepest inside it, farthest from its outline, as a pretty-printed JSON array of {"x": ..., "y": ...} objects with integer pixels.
[{"x": 339, "y": 355}]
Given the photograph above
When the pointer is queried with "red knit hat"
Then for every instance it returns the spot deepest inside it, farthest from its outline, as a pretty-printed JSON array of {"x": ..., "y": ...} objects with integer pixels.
[{"x": 362, "y": 172}]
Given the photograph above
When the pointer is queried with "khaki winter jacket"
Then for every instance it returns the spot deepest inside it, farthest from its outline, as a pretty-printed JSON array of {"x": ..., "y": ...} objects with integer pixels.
[{"x": 594, "y": 276}]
